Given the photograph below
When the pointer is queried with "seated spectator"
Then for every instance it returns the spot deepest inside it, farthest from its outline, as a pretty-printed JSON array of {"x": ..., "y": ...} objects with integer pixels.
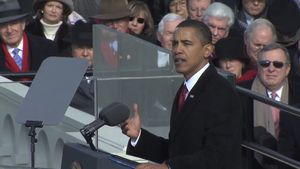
[
  {"x": 179, "y": 7},
  {"x": 81, "y": 38},
  {"x": 271, "y": 81},
  {"x": 258, "y": 34},
  {"x": 246, "y": 11},
  {"x": 166, "y": 29},
  {"x": 19, "y": 51},
  {"x": 196, "y": 8},
  {"x": 140, "y": 20},
  {"x": 51, "y": 21},
  {"x": 219, "y": 18},
  {"x": 158, "y": 8},
  {"x": 230, "y": 56},
  {"x": 287, "y": 26}
]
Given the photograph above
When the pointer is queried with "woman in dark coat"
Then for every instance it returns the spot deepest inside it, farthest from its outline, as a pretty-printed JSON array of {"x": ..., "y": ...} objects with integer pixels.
[{"x": 51, "y": 21}]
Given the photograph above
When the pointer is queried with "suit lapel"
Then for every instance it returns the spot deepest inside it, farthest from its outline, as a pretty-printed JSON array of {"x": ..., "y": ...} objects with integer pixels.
[{"x": 178, "y": 119}]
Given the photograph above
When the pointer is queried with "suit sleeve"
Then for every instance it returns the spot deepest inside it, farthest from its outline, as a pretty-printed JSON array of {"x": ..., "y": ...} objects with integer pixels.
[
  {"x": 286, "y": 142},
  {"x": 149, "y": 147}
]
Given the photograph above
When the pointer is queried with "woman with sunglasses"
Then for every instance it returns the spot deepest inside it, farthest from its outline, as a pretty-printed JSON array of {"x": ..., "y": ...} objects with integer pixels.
[{"x": 140, "y": 21}]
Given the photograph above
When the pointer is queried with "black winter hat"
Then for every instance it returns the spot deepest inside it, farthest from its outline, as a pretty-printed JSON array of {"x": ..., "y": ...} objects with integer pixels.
[
  {"x": 230, "y": 48},
  {"x": 81, "y": 34}
]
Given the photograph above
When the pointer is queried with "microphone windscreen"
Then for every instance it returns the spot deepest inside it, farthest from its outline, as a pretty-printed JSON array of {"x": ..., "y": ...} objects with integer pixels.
[{"x": 114, "y": 114}]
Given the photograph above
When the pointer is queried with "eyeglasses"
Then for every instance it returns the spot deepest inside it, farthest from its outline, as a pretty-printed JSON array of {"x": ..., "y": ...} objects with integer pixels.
[
  {"x": 139, "y": 20},
  {"x": 267, "y": 63}
]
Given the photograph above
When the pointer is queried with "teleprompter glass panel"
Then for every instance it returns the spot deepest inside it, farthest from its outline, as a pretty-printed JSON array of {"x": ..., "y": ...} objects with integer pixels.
[{"x": 131, "y": 70}]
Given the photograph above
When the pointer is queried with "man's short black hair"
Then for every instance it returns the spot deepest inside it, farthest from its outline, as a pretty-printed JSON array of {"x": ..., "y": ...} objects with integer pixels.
[{"x": 203, "y": 32}]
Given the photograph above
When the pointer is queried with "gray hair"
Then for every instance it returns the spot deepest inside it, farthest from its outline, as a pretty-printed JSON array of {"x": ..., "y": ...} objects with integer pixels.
[
  {"x": 273, "y": 46},
  {"x": 260, "y": 23},
  {"x": 168, "y": 18},
  {"x": 219, "y": 10}
]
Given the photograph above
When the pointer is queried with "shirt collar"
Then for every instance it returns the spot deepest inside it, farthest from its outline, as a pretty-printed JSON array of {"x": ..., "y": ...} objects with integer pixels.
[
  {"x": 20, "y": 47},
  {"x": 193, "y": 80},
  {"x": 278, "y": 93}
]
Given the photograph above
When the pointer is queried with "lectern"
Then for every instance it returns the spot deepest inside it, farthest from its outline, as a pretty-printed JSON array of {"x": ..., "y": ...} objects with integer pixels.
[{"x": 83, "y": 157}]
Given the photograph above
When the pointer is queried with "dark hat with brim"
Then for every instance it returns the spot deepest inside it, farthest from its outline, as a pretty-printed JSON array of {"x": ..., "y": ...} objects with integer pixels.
[
  {"x": 81, "y": 34},
  {"x": 13, "y": 10},
  {"x": 112, "y": 9},
  {"x": 68, "y": 6},
  {"x": 230, "y": 48}
]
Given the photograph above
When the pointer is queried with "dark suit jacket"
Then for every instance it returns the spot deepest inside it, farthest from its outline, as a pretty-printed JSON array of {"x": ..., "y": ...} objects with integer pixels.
[
  {"x": 84, "y": 97},
  {"x": 39, "y": 50},
  {"x": 289, "y": 137},
  {"x": 249, "y": 131},
  {"x": 36, "y": 28},
  {"x": 205, "y": 134}
]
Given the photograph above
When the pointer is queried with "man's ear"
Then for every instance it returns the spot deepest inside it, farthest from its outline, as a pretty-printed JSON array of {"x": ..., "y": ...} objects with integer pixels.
[
  {"x": 158, "y": 35},
  {"x": 208, "y": 50}
]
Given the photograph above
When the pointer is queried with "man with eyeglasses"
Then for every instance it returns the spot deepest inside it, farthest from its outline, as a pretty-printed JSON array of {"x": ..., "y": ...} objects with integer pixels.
[
  {"x": 219, "y": 18},
  {"x": 273, "y": 67}
]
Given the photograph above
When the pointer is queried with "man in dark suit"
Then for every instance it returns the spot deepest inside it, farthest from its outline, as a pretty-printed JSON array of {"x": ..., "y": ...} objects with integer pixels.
[
  {"x": 205, "y": 129},
  {"x": 261, "y": 121},
  {"x": 19, "y": 51},
  {"x": 289, "y": 137}
]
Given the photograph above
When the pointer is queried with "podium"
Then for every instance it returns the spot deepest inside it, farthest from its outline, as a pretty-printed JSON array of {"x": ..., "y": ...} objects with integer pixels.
[{"x": 81, "y": 156}]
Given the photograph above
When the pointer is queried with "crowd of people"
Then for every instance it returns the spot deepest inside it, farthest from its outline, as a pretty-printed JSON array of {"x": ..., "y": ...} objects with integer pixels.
[{"x": 258, "y": 41}]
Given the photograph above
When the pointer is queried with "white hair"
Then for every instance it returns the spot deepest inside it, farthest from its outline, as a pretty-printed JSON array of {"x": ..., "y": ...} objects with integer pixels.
[
  {"x": 260, "y": 23},
  {"x": 219, "y": 10},
  {"x": 168, "y": 18}
]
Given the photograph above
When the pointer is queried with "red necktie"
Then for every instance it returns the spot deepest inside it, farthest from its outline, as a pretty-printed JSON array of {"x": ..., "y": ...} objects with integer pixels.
[
  {"x": 182, "y": 97},
  {"x": 276, "y": 116}
]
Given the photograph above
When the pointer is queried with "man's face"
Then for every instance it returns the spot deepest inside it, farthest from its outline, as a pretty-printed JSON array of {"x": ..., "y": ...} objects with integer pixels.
[
  {"x": 53, "y": 12},
  {"x": 270, "y": 76},
  {"x": 188, "y": 52},
  {"x": 82, "y": 51},
  {"x": 218, "y": 26},
  {"x": 196, "y": 8},
  {"x": 11, "y": 33},
  {"x": 120, "y": 25},
  {"x": 254, "y": 7},
  {"x": 167, "y": 34},
  {"x": 261, "y": 37},
  {"x": 179, "y": 7}
]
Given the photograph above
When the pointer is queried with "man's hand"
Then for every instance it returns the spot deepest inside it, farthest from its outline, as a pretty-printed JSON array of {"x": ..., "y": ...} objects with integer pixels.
[
  {"x": 132, "y": 126},
  {"x": 152, "y": 166}
]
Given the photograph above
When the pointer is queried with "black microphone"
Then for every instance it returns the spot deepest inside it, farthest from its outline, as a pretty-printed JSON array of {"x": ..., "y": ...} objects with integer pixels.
[{"x": 111, "y": 115}]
